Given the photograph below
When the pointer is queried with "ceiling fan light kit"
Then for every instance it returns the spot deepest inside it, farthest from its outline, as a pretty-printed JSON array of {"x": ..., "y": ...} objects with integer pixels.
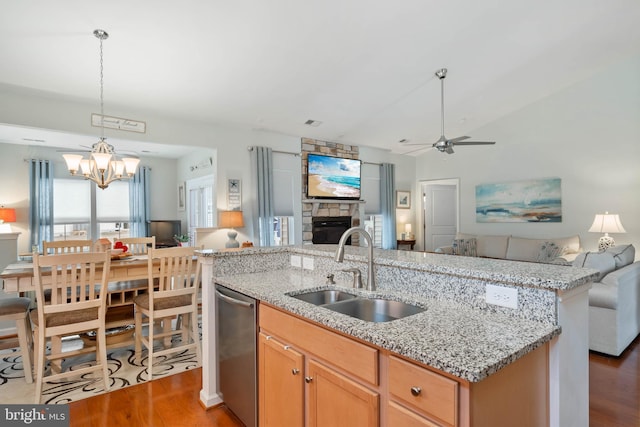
[
  {"x": 443, "y": 144},
  {"x": 102, "y": 166}
]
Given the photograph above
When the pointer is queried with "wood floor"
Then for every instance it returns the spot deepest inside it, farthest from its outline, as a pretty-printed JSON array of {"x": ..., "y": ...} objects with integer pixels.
[{"x": 614, "y": 399}]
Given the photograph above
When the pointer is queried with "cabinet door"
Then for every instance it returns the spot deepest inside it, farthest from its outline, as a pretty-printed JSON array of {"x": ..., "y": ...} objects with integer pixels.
[
  {"x": 281, "y": 384},
  {"x": 335, "y": 400}
]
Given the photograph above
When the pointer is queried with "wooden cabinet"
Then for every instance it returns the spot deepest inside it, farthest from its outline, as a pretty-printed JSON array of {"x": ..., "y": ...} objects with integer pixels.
[
  {"x": 423, "y": 391},
  {"x": 312, "y": 376},
  {"x": 281, "y": 385},
  {"x": 293, "y": 374},
  {"x": 335, "y": 400}
]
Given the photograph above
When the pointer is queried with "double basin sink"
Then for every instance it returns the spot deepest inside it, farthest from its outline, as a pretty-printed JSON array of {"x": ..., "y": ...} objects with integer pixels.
[{"x": 368, "y": 309}]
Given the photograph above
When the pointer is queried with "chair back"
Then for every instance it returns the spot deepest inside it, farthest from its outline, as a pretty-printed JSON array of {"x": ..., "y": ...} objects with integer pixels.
[
  {"x": 179, "y": 273},
  {"x": 66, "y": 246},
  {"x": 138, "y": 245},
  {"x": 78, "y": 285}
]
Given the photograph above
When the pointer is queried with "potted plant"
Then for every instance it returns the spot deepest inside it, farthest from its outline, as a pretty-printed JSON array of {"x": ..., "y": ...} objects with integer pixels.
[{"x": 182, "y": 239}]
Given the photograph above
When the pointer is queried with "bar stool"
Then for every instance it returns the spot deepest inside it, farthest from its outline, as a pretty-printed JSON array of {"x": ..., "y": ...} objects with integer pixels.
[{"x": 17, "y": 309}]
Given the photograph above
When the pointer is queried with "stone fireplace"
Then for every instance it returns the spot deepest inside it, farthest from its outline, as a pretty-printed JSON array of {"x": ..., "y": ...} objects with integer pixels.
[{"x": 327, "y": 208}]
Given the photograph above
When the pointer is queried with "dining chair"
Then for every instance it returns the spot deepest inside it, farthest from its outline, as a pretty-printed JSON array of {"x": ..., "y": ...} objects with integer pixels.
[
  {"x": 138, "y": 245},
  {"x": 17, "y": 309},
  {"x": 66, "y": 246},
  {"x": 76, "y": 304},
  {"x": 173, "y": 293}
]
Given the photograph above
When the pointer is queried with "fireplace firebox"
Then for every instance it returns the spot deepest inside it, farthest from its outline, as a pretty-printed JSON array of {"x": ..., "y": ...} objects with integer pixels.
[{"x": 329, "y": 229}]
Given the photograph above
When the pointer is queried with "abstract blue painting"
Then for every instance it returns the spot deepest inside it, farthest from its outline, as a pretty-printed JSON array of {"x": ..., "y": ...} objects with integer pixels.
[{"x": 535, "y": 200}]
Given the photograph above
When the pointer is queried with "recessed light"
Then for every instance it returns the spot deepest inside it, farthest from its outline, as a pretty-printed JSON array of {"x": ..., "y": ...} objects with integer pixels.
[{"x": 314, "y": 123}]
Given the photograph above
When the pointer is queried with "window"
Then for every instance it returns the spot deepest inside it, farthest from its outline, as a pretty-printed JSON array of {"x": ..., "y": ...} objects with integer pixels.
[
  {"x": 283, "y": 231},
  {"x": 201, "y": 204},
  {"x": 82, "y": 211},
  {"x": 373, "y": 225}
]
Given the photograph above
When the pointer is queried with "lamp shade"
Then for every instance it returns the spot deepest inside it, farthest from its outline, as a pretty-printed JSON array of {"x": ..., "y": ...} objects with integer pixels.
[
  {"x": 607, "y": 223},
  {"x": 230, "y": 219},
  {"x": 7, "y": 215}
]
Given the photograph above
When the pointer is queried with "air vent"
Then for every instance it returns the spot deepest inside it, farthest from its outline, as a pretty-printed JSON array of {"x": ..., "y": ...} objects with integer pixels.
[
  {"x": 314, "y": 123},
  {"x": 403, "y": 141}
]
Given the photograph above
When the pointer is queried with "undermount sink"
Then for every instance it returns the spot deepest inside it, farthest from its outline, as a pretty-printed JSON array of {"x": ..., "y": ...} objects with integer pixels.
[
  {"x": 375, "y": 309},
  {"x": 368, "y": 309},
  {"x": 324, "y": 297}
]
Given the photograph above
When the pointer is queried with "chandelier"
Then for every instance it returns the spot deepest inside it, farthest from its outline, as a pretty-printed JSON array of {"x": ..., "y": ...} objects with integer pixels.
[{"x": 102, "y": 166}]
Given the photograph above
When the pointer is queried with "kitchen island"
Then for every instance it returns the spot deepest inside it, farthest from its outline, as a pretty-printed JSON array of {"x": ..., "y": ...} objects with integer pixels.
[{"x": 458, "y": 334}]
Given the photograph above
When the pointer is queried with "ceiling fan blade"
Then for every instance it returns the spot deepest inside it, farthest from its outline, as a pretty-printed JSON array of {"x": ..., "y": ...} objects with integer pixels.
[
  {"x": 449, "y": 150},
  {"x": 416, "y": 143},
  {"x": 473, "y": 142},
  {"x": 460, "y": 138}
]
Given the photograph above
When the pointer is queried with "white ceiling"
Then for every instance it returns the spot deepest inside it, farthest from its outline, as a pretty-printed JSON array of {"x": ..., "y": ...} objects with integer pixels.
[{"x": 364, "y": 68}]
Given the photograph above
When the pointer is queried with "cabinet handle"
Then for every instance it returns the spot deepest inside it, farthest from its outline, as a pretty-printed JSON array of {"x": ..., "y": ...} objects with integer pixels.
[
  {"x": 416, "y": 391},
  {"x": 295, "y": 371},
  {"x": 268, "y": 337},
  {"x": 286, "y": 347},
  {"x": 308, "y": 379}
]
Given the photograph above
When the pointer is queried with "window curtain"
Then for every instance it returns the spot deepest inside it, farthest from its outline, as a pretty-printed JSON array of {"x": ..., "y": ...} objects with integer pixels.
[
  {"x": 41, "y": 201},
  {"x": 139, "y": 202},
  {"x": 262, "y": 161},
  {"x": 387, "y": 205}
]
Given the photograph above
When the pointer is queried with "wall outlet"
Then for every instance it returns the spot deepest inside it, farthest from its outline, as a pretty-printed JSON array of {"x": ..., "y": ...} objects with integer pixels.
[
  {"x": 499, "y": 295},
  {"x": 307, "y": 263},
  {"x": 296, "y": 261}
]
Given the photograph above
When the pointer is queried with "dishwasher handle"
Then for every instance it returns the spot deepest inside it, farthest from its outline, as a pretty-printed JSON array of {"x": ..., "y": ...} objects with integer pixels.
[{"x": 233, "y": 300}]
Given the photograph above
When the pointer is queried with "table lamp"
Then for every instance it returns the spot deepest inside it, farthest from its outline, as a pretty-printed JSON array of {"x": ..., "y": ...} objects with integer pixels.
[
  {"x": 407, "y": 230},
  {"x": 606, "y": 223},
  {"x": 7, "y": 215},
  {"x": 231, "y": 219}
]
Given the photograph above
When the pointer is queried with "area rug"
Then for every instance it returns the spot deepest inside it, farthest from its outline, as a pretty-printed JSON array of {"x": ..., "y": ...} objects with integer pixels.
[{"x": 123, "y": 368}]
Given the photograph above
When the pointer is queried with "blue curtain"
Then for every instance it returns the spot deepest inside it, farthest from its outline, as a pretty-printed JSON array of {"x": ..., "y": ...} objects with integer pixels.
[
  {"x": 40, "y": 201},
  {"x": 262, "y": 161},
  {"x": 387, "y": 205},
  {"x": 139, "y": 202}
]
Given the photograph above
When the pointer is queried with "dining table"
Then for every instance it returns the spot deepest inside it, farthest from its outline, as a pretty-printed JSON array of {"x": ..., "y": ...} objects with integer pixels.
[{"x": 128, "y": 277}]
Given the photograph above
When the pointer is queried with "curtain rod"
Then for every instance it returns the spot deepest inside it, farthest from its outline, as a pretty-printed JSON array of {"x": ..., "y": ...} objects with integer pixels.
[
  {"x": 277, "y": 151},
  {"x": 371, "y": 163}
]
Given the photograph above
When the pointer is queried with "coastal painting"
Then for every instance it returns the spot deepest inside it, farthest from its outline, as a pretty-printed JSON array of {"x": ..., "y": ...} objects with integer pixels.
[
  {"x": 333, "y": 177},
  {"x": 535, "y": 200}
]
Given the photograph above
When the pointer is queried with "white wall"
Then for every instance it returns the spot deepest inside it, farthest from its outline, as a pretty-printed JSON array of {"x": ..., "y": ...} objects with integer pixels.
[{"x": 588, "y": 135}]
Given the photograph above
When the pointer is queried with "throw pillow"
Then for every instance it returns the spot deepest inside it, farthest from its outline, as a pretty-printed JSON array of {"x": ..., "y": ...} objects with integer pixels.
[
  {"x": 548, "y": 252},
  {"x": 601, "y": 261},
  {"x": 623, "y": 255},
  {"x": 465, "y": 247}
]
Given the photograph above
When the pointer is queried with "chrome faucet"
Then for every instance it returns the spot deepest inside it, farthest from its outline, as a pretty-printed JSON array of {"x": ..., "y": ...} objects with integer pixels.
[{"x": 371, "y": 282}]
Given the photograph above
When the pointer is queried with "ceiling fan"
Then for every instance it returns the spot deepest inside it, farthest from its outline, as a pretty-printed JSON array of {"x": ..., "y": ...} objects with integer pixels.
[{"x": 443, "y": 144}]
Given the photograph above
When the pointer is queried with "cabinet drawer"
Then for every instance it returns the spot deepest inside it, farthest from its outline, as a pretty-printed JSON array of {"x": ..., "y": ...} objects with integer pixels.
[
  {"x": 399, "y": 416},
  {"x": 426, "y": 391},
  {"x": 356, "y": 358}
]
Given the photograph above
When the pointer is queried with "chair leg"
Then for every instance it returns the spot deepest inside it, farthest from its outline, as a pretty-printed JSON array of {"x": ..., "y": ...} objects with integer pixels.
[
  {"x": 101, "y": 356},
  {"x": 150, "y": 335},
  {"x": 195, "y": 335},
  {"x": 138, "y": 335},
  {"x": 39, "y": 345},
  {"x": 24, "y": 329}
]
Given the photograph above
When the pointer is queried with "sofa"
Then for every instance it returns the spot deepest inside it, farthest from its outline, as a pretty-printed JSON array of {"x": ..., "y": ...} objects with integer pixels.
[
  {"x": 553, "y": 250},
  {"x": 614, "y": 298}
]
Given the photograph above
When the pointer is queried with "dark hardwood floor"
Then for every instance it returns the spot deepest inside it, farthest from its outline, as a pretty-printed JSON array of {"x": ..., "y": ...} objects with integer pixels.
[{"x": 614, "y": 399}]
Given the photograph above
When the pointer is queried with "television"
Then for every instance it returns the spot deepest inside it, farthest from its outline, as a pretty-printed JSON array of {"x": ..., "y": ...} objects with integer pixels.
[
  {"x": 164, "y": 232},
  {"x": 333, "y": 177}
]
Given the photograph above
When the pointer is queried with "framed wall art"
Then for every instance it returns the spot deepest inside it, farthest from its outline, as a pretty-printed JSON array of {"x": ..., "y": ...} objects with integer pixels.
[
  {"x": 182, "y": 196},
  {"x": 234, "y": 195},
  {"x": 403, "y": 199}
]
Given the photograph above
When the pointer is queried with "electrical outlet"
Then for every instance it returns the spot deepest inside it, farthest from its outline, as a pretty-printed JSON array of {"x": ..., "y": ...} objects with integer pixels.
[
  {"x": 307, "y": 263},
  {"x": 296, "y": 261},
  {"x": 499, "y": 295}
]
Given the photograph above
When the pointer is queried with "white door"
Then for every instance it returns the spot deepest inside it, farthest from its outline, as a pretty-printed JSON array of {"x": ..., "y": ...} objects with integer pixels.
[{"x": 440, "y": 213}]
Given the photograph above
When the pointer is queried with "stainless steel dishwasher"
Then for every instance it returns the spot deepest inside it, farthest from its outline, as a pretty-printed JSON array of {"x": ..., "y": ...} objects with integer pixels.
[{"x": 236, "y": 343}]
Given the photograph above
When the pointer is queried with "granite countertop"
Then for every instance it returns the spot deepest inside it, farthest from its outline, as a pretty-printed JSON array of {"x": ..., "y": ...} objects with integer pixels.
[{"x": 466, "y": 342}]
